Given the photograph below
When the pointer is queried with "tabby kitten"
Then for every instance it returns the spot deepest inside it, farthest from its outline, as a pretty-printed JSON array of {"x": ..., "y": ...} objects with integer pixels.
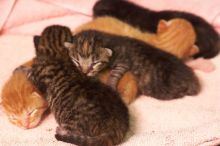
[
  {"x": 176, "y": 36},
  {"x": 207, "y": 38},
  {"x": 22, "y": 102},
  {"x": 89, "y": 113},
  {"x": 159, "y": 74}
]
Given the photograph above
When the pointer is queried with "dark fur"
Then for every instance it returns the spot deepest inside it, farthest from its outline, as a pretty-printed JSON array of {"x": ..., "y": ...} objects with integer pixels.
[
  {"x": 159, "y": 74},
  {"x": 208, "y": 39},
  {"x": 88, "y": 112}
]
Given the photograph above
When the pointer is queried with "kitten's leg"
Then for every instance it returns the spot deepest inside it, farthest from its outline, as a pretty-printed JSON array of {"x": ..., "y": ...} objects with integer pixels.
[{"x": 116, "y": 73}]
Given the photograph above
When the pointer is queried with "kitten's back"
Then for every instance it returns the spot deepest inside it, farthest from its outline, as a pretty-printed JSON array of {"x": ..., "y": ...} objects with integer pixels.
[{"x": 81, "y": 121}]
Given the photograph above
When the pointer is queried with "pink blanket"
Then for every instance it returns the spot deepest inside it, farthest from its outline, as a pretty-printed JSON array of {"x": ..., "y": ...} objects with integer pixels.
[{"x": 189, "y": 121}]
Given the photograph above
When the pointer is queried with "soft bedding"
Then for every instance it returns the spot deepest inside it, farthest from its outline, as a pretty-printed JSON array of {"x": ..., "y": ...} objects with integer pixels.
[{"x": 188, "y": 121}]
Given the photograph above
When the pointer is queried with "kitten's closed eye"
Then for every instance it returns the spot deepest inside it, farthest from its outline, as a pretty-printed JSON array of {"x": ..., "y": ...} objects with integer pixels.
[
  {"x": 96, "y": 68},
  {"x": 89, "y": 59},
  {"x": 28, "y": 119},
  {"x": 75, "y": 61}
]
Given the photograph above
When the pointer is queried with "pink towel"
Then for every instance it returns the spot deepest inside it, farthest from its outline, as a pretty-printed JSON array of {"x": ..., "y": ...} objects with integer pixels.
[{"x": 190, "y": 121}]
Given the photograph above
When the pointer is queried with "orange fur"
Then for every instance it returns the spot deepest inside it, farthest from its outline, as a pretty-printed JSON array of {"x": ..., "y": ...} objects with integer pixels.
[
  {"x": 176, "y": 36},
  {"x": 21, "y": 101}
]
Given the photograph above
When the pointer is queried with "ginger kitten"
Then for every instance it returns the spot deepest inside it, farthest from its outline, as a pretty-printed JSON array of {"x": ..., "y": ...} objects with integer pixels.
[{"x": 21, "y": 101}]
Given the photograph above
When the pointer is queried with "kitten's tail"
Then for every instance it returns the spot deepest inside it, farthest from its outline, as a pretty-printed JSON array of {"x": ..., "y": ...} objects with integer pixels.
[{"x": 81, "y": 140}]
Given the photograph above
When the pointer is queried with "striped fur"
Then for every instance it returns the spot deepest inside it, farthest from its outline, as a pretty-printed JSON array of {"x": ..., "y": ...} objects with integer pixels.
[
  {"x": 88, "y": 112},
  {"x": 159, "y": 74},
  {"x": 88, "y": 56}
]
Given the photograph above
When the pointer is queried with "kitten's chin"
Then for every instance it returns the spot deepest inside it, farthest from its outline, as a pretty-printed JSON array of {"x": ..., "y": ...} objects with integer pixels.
[
  {"x": 90, "y": 74},
  {"x": 31, "y": 125}
]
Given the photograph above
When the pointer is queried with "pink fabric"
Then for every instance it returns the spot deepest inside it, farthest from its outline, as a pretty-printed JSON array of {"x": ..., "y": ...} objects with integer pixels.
[
  {"x": 187, "y": 121},
  {"x": 201, "y": 64},
  {"x": 29, "y": 13},
  {"x": 210, "y": 10}
]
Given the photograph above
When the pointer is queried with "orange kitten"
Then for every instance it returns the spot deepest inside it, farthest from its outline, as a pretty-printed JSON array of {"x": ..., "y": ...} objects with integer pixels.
[
  {"x": 21, "y": 101},
  {"x": 176, "y": 36}
]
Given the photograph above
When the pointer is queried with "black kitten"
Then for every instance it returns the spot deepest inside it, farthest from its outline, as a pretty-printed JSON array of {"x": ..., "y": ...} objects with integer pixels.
[{"x": 145, "y": 19}]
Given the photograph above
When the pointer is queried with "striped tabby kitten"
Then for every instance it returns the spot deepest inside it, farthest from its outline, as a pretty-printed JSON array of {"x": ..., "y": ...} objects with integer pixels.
[
  {"x": 89, "y": 113},
  {"x": 158, "y": 73},
  {"x": 208, "y": 40},
  {"x": 176, "y": 36}
]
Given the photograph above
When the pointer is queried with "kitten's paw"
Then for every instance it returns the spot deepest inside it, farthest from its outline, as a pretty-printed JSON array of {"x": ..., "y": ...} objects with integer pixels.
[
  {"x": 22, "y": 69},
  {"x": 61, "y": 131},
  {"x": 112, "y": 85}
]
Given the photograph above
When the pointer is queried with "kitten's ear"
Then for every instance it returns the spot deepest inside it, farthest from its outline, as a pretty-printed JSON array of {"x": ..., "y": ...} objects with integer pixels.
[
  {"x": 109, "y": 51},
  {"x": 36, "y": 40},
  {"x": 162, "y": 26},
  {"x": 68, "y": 45},
  {"x": 35, "y": 94}
]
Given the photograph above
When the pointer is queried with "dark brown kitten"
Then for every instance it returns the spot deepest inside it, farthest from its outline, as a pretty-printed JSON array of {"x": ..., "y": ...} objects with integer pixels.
[
  {"x": 88, "y": 112},
  {"x": 159, "y": 74},
  {"x": 208, "y": 39}
]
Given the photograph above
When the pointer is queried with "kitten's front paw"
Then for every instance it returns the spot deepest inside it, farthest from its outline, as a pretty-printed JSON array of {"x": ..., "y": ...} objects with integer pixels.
[{"x": 61, "y": 131}]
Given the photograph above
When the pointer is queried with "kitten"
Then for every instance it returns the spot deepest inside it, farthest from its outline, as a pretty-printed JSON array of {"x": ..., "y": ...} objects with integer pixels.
[
  {"x": 159, "y": 74},
  {"x": 22, "y": 102},
  {"x": 176, "y": 36},
  {"x": 89, "y": 113},
  {"x": 146, "y": 20}
]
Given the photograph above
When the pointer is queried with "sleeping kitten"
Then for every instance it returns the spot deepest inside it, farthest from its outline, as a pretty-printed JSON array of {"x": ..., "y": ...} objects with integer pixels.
[
  {"x": 176, "y": 36},
  {"x": 89, "y": 113},
  {"x": 22, "y": 102},
  {"x": 146, "y": 20},
  {"x": 158, "y": 73}
]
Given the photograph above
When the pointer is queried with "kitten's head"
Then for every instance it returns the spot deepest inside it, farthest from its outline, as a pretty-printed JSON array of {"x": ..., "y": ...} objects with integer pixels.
[
  {"x": 88, "y": 55},
  {"x": 22, "y": 103},
  {"x": 179, "y": 34}
]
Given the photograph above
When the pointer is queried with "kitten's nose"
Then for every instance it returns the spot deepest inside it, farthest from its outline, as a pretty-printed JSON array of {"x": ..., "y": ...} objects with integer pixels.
[
  {"x": 85, "y": 69},
  {"x": 25, "y": 123}
]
